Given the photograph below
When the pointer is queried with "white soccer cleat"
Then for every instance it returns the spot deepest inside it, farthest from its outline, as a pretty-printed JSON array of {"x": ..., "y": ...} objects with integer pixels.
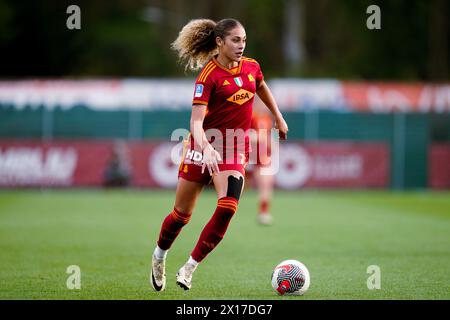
[
  {"x": 158, "y": 274},
  {"x": 184, "y": 276},
  {"x": 265, "y": 219}
]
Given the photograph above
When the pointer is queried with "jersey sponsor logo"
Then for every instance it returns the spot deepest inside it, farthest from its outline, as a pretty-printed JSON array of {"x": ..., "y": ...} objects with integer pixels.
[
  {"x": 241, "y": 97},
  {"x": 198, "y": 90},
  {"x": 250, "y": 78},
  {"x": 225, "y": 83},
  {"x": 238, "y": 81}
]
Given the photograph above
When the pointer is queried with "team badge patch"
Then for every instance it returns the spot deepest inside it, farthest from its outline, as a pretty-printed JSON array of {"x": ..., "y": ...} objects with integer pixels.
[
  {"x": 238, "y": 81},
  {"x": 198, "y": 90},
  {"x": 250, "y": 78}
]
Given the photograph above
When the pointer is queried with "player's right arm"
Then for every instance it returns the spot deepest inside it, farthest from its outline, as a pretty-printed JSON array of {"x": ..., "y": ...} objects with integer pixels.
[
  {"x": 204, "y": 87},
  {"x": 196, "y": 123},
  {"x": 210, "y": 156}
]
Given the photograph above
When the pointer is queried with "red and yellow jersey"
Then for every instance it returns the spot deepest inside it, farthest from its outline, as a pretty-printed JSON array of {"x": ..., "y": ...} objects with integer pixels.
[{"x": 228, "y": 95}]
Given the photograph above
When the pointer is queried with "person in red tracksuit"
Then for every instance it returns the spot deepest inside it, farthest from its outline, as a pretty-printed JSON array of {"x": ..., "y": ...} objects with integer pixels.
[{"x": 217, "y": 149}]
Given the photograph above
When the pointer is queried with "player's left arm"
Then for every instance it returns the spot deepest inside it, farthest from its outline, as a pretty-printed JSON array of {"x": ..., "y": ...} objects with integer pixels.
[{"x": 266, "y": 96}]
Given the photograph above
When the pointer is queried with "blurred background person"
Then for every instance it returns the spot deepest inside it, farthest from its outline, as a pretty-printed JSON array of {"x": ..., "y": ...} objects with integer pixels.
[
  {"x": 118, "y": 171},
  {"x": 262, "y": 123}
]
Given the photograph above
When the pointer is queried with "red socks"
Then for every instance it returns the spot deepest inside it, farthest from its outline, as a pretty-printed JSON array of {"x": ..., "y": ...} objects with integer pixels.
[
  {"x": 211, "y": 235},
  {"x": 215, "y": 229},
  {"x": 263, "y": 206},
  {"x": 171, "y": 227}
]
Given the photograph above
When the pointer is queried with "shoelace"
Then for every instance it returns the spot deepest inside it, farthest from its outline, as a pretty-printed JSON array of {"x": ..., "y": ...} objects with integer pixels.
[
  {"x": 159, "y": 270},
  {"x": 189, "y": 271}
]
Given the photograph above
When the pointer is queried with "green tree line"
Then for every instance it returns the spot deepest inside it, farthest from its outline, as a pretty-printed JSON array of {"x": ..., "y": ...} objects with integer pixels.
[{"x": 290, "y": 38}]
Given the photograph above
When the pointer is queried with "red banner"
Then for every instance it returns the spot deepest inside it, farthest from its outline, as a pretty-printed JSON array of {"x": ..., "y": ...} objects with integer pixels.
[
  {"x": 31, "y": 163},
  {"x": 333, "y": 165},
  {"x": 155, "y": 164},
  {"x": 394, "y": 97},
  {"x": 439, "y": 166}
]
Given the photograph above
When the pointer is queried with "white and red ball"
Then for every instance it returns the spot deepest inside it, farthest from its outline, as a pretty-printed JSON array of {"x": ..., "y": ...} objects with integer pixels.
[{"x": 290, "y": 277}]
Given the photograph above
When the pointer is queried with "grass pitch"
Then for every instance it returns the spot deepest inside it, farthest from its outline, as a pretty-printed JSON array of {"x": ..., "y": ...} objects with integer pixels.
[{"x": 110, "y": 235}]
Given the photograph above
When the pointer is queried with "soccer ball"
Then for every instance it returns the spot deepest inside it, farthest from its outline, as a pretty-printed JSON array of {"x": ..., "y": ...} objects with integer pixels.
[{"x": 290, "y": 277}]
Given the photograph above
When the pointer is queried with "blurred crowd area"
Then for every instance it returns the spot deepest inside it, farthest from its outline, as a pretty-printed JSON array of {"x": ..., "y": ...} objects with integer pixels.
[{"x": 291, "y": 38}]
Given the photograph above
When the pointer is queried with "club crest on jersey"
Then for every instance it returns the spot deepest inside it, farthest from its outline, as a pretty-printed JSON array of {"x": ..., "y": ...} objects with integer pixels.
[
  {"x": 238, "y": 81},
  {"x": 250, "y": 78},
  {"x": 198, "y": 90},
  {"x": 241, "y": 97}
]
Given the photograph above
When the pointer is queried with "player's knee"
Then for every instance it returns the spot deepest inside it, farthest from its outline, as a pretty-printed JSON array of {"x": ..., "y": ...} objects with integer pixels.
[
  {"x": 180, "y": 216},
  {"x": 234, "y": 188}
]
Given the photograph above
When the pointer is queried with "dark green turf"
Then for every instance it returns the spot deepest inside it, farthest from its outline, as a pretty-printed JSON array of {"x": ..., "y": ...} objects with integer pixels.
[{"x": 110, "y": 235}]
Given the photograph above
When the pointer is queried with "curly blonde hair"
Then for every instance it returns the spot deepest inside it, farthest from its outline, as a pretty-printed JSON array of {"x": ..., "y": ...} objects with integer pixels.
[{"x": 196, "y": 42}]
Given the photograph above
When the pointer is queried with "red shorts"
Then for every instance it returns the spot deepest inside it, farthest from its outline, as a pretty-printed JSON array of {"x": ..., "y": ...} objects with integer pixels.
[{"x": 193, "y": 171}]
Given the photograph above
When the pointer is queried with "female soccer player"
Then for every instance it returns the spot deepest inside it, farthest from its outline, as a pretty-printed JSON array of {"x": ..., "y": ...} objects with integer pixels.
[{"x": 221, "y": 114}]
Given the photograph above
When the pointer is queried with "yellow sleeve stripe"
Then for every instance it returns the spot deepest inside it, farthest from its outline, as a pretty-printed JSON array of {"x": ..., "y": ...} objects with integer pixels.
[
  {"x": 203, "y": 79},
  {"x": 200, "y": 102},
  {"x": 205, "y": 69}
]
